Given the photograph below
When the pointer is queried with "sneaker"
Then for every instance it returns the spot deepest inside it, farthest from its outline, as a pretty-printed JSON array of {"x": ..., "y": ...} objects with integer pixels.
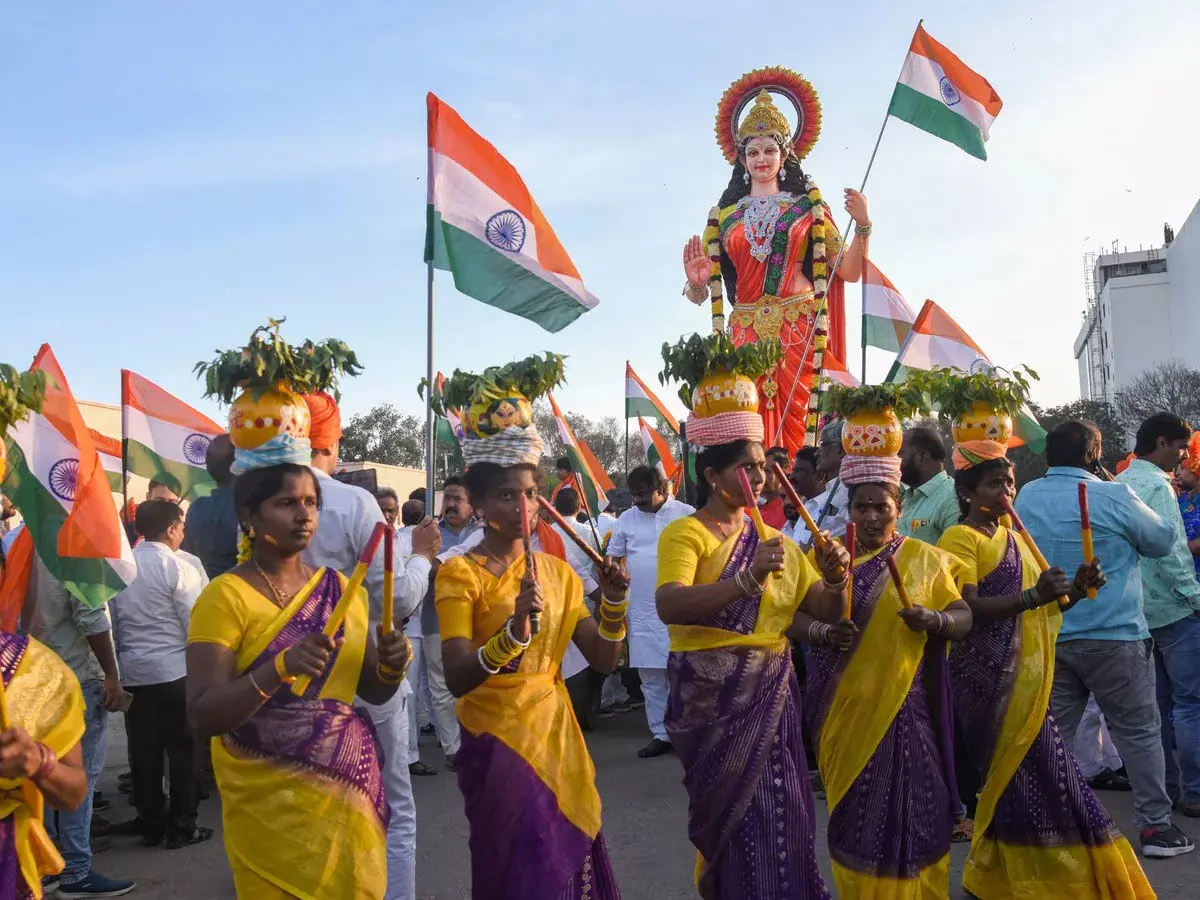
[
  {"x": 95, "y": 885},
  {"x": 1108, "y": 780},
  {"x": 622, "y": 706},
  {"x": 655, "y": 748},
  {"x": 49, "y": 885},
  {"x": 1164, "y": 842}
]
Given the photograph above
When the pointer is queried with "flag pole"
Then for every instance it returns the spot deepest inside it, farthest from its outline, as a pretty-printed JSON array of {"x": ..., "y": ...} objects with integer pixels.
[
  {"x": 862, "y": 325},
  {"x": 627, "y": 448},
  {"x": 838, "y": 261},
  {"x": 124, "y": 516},
  {"x": 429, "y": 373}
]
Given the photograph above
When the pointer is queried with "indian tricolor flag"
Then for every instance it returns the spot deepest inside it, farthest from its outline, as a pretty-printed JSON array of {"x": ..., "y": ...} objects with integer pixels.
[
  {"x": 938, "y": 94},
  {"x": 448, "y": 429},
  {"x": 56, "y": 480},
  {"x": 640, "y": 400},
  {"x": 165, "y": 439},
  {"x": 591, "y": 479},
  {"x": 886, "y": 316},
  {"x": 937, "y": 342},
  {"x": 658, "y": 454},
  {"x": 484, "y": 227}
]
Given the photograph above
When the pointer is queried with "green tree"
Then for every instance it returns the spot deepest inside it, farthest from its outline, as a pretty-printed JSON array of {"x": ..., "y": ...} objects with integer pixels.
[
  {"x": 385, "y": 435},
  {"x": 1113, "y": 436},
  {"x": 1167, "y": 387}
]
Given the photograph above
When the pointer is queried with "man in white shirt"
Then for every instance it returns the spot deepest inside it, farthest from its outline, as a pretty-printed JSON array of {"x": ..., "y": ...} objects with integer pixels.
[
  {"x": 636, "y": 539},
  {"x": 831, "y": 508},
  {"x": 150, "y": 622},
  {"x": 349, "y": 515}
]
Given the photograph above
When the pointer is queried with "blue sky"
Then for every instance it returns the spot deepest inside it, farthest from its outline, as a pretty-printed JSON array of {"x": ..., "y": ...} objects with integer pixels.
[{"x": 172, "y": 174}]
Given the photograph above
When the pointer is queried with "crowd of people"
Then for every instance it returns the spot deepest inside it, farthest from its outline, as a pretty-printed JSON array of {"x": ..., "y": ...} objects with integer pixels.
[{"x": 932, "y": 682}]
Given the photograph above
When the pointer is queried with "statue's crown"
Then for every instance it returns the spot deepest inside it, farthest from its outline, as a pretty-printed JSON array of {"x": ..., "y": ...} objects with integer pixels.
[{"x": 764, "y": 120}]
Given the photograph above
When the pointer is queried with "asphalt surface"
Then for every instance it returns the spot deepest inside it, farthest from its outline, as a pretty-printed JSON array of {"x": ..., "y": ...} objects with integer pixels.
[{"x": 645, "y": 810}]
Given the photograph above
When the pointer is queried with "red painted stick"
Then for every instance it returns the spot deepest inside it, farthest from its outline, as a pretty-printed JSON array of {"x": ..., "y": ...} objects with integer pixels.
[
  {"x": 1085, "y": 525},
  {"x": 894, "y": 570},
  {"x": 527, "y": 539},
  {"x": 850, "y": 541},
  {"x": 1043, "y": 565},
  {"x": 583, "y": 545}
]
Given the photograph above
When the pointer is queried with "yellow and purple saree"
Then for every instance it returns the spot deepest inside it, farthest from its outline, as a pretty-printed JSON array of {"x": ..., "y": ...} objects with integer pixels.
[
  {"x": 302, "y": 797},
  {"x": 881, "y": 721},
  {"x": 527, "y": 779},
  {"x": 1039, "y": 829},
  {"x": 43, "y": 697},
  {"x": 734, "y": 716}
]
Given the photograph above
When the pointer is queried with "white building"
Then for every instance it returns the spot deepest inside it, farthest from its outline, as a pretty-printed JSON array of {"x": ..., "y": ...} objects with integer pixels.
[{"x": 1143, "y": 309}]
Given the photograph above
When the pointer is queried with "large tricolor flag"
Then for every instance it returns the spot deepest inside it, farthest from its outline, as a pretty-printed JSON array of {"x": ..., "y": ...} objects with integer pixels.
[
  {"x": 165, "y": 439},
  {"x": 886, "y": 316},
  {"x": 55, "y": 478},
  {"x": 640, "y": 400},
  {"x": 658, "y": 454},
  {"x": 484, "y": 227},
  {"x": 937, "y": 342},
  {"x": 591, "y": 477},
  {"x": 448, "y": 429},
  {"x": 938, "y": 94}
]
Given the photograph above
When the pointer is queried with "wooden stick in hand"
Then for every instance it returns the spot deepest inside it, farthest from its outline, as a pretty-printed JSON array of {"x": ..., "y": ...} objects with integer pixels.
[
  {"x": 794, "y": 497},
  {"x": 300, "y": 685},
  {"x": 579, "y": 542},
  {"x": 1085, "y": 525},
  {"x": 530, "y": 569}
]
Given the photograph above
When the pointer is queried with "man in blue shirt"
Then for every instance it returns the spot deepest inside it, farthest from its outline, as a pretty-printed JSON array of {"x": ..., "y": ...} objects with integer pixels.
[
  {"x": 211, "y": 529},
  {"x": 1103, "y": 645},
  {"x": 1172, "y": 599}
]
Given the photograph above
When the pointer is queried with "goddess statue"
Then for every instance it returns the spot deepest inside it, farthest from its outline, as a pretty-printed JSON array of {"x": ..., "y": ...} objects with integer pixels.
[{"x": 771, "y": 240}]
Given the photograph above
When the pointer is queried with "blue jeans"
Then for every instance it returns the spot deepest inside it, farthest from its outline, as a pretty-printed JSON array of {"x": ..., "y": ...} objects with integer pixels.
[
  {"x": 74, "y": 832},
  {"x": 1177, "y": 663}
]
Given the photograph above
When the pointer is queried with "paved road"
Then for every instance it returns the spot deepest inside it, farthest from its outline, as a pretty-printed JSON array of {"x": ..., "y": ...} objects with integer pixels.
[{"x": 644, "y": 814}]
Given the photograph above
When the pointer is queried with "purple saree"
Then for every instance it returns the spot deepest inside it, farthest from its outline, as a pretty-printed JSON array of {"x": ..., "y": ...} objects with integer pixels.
[
  {"x": 734, "y": 716},
  {"x": 1047, "y": 802},
  {"x": 326, "y": 737},
  {"x": 894, "y": 821}
]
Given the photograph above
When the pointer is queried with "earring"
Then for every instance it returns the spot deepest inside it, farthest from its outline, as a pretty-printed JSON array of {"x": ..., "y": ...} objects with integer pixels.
[
  {"x": 782, "y": 173},
  {"x": 746, "y": 177}
]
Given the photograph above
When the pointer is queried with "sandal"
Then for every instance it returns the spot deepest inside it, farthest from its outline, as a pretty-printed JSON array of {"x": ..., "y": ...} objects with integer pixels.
[
  {"x": 199, "y": 835},
  {"x": 964, "y": 832}
]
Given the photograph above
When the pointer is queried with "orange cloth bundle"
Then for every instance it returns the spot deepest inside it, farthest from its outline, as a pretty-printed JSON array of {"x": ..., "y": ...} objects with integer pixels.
[
  {"x": 326, "y": 429},
  {"x": 971, "y": 453}
]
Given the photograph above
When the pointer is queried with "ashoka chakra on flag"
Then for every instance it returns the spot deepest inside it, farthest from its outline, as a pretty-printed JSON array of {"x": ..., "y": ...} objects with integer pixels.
[{"x": 195, "y": 448}]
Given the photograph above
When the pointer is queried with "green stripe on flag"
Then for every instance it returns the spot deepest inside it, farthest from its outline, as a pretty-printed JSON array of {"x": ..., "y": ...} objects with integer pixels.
[
  {"x": 884, "y": 333},
  {"x": 91, "y": 581},
  {"x": 641, "y": 406},
  {"x": 485, "y": 273},
  {"x": 583, "y": 477},
  {"x": 189, "y": 482},
  {"x": 116, "y": 484},
  {"x": 443, "y": 433},
  {"x": 934, "y": 116}
]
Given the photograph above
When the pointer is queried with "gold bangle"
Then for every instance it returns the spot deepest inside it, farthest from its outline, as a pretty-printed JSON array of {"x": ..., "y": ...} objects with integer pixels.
[
  {"x": 254, "y": 684},
  {"x": 386, "y": 675},
  {"x": 285, "y": 677}
]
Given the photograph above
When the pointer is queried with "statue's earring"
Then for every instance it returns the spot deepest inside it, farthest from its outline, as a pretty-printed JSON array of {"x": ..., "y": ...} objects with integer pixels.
[
  {"x": 782, "y": 173},
  {"x": 746, "y": 176}
]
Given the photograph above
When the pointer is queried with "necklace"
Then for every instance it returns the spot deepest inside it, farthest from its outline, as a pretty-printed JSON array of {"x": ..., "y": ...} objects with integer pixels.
[
  {"x": 726, "y": 531},
  {"x": 503, "y": 564},
  {"x": 760, "y": 218},
  {"x": 281, "y": 597},
  {"x": 985, "y": 528}
]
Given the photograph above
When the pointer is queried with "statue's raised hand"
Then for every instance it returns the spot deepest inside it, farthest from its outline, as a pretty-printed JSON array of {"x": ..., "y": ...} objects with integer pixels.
[{"x": 696, "y": 264}]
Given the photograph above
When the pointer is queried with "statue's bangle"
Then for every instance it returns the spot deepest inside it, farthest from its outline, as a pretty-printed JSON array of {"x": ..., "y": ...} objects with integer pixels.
[{"x": 863, "y": 230}]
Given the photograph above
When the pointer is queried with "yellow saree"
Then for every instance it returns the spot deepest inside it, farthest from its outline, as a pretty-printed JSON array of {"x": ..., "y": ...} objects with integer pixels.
[
  {"x": 1039, "y": 829},
  {"x": 42, "y": 696},
  {"x": 734, "y": 716},
  {"x": 301, "y": 791},
  {"x": 527, "y": 779},
  {"x": 880, "y": 719}
]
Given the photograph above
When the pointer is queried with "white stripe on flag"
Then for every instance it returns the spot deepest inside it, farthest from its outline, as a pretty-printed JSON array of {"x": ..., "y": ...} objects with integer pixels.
[
  {"x": 924, "y": 75},
  {"x": 465, "y": 202}
]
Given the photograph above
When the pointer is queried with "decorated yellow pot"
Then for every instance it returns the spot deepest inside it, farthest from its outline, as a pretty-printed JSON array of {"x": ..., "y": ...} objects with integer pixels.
[
  {"x": 492, "y": 416},
  {"x": 983, "y": 423},
  {"x": 279, "y": 411},
  {"x": 872, "y": 432},
  {"x": 722, "y": 393}
]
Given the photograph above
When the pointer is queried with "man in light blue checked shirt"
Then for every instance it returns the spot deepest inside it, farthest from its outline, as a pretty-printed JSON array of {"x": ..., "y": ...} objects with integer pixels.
[
  {"x": 1172, "y": 600},
  {"x": 1104, "y": 646}
]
